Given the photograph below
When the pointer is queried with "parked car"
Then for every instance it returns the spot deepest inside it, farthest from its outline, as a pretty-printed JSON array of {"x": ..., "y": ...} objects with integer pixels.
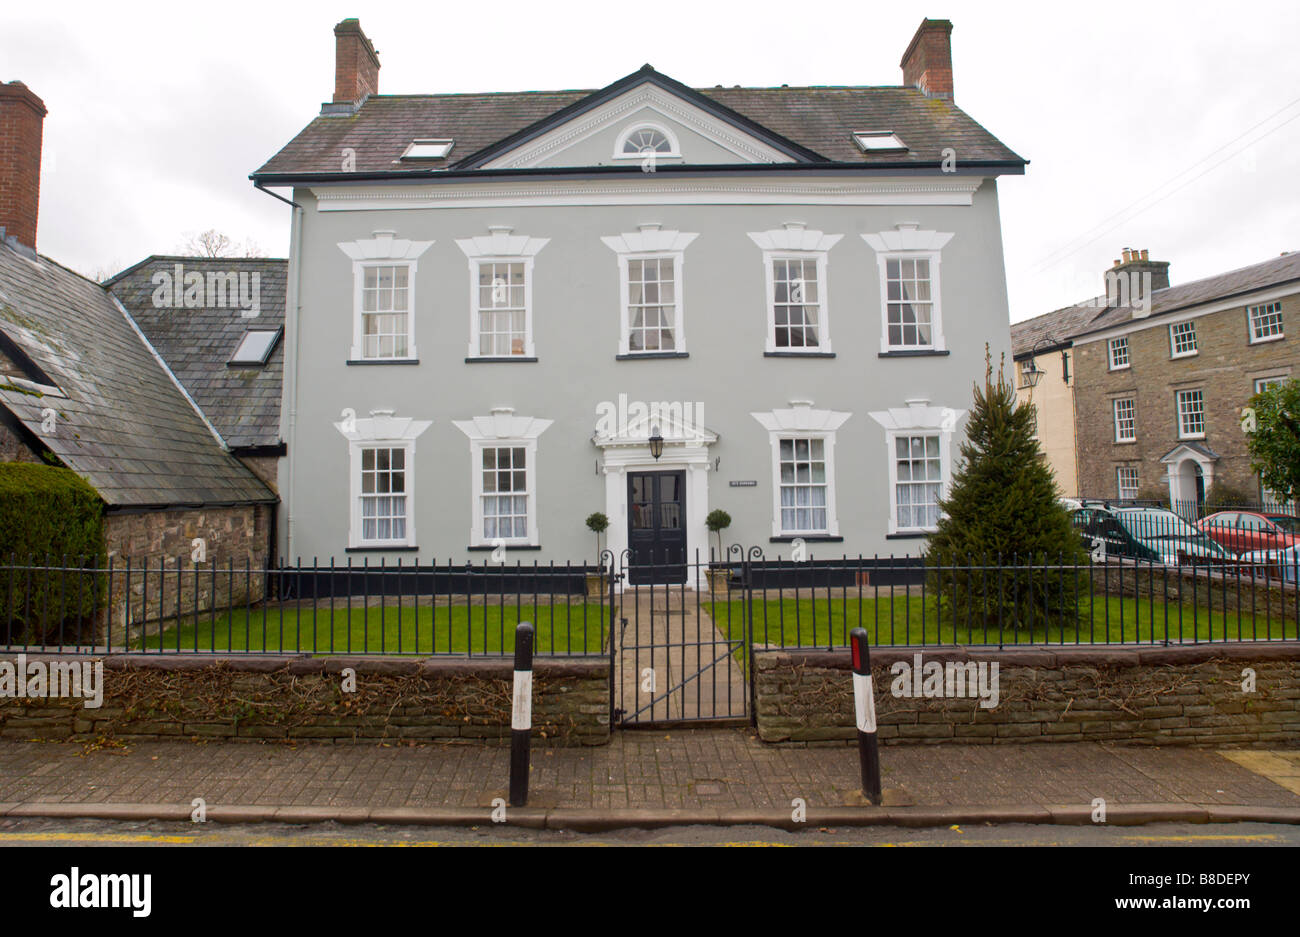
[
  {"x": 1282, "y": 564},
  {"x": 1152, "y": 534},
  {"x": 1251, "y": 531}
]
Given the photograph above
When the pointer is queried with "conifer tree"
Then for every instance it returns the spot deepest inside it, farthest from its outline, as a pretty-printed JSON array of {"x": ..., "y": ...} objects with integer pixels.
[{"x": 1004, "y": 551}]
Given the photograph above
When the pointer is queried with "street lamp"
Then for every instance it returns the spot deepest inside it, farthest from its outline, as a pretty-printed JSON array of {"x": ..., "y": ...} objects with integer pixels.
[
  {"x": 656, "y": 443},
  {"x": 1033, "y": 374}
]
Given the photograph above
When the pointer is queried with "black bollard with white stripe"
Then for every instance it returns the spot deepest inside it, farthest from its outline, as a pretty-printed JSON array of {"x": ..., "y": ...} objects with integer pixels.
[
  {"x": 864, "y": 704},
  {"x": 521, "y": 716}
]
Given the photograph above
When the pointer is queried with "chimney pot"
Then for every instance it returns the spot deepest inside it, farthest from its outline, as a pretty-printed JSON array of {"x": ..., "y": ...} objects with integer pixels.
[
  {"x": 927, "y": 63},
  {"x": 1139, "y": 262},
  {"x": 356, "y": 64},
  {"x": 22, "y": 122}
]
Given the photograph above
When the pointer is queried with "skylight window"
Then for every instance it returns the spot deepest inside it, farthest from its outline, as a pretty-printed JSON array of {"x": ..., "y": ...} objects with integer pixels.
[
  {"x": 879, "y": 142},
  {"x": 428, "y": 149},
  {"x": 254, "y": 348}
]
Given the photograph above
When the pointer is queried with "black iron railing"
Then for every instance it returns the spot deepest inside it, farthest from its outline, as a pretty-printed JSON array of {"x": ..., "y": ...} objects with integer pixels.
[
  {"x": 224, "y": 607},
  {"x": 1138, "y": 578}
]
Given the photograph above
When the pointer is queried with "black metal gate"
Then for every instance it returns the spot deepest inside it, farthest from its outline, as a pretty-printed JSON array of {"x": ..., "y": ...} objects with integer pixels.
[{"x": 681, "y": 649}]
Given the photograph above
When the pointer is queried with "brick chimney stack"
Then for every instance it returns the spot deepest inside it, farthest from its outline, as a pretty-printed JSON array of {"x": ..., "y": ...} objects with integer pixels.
[
  {"x": 927, "y": 63},
  {"x": 1138, "y": 261},
  {"x": 356, "y": 63},
  {"x": 22, "y": 121}
]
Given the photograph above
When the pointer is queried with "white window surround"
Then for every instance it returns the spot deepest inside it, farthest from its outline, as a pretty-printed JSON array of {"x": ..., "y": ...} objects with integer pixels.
[
  {"x": 1264, "y": 314},
  {"x": 674, "y": 151},
  {"x": 501, "y": 246},
  {"x": 918, "y": 418},
  {"x": 385, "y": 249},
  {"x": 1127, "y": 480},
  {"x": 1179, "y": 333},
  {"x": 800, "y": 420},
  {"x": 1124, "y": 411},
  {"x": 651, "y": 243},
  {"x": 1190, "y": 413},
  {"x": 1261, "y": 384},
  {"x": 908, "y": 242},
  {"x": 794, "y": 242},
  {"x": 382, "y": 430},
  {"x": 1113, "y": 348},
  {"x": 500, "y": 430}
]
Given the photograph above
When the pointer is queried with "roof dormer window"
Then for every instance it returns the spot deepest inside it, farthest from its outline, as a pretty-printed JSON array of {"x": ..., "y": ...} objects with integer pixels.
[
  {"x": 428, "y": 149},
  {"x": 879, "y": 141}
]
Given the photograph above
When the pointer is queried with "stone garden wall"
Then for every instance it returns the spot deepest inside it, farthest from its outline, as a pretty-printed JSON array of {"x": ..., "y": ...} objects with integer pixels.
[
  {"x": 184, "y": 696},
  {"x": 1146, "y": 696}
]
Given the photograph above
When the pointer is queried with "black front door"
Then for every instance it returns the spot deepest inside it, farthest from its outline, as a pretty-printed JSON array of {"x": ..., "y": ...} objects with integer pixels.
[{"x": 656, "y": 526}]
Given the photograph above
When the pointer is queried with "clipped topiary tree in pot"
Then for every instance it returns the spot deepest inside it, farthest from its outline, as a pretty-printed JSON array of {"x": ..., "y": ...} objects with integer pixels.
[
  {"x": 597, "y": 523},
  {"x": 717, "y": 521}
]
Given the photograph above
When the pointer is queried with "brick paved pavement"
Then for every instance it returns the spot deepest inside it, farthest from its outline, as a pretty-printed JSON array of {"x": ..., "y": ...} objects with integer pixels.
[{"x": 719, "y": 768}]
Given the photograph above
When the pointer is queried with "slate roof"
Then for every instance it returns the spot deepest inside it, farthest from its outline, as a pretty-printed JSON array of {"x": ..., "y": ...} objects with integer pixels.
[
  {"x": 124, "y": 425},
  {"x": 1220, "y": 286},
  {"x": 1051, "y": 330},
  {"x": 1094, "y": 315},
  {"x": 242, "y": 403},
  {"x": 818, "y": 120}
]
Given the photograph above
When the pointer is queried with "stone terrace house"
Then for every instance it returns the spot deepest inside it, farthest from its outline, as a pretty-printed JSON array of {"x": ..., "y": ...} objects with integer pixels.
[
  {"x": 1159, "y": 386},
  {"x": 509, "y": 310},
  {"x": 83, "y": 387},
  {"x": 221, "y": 338}
]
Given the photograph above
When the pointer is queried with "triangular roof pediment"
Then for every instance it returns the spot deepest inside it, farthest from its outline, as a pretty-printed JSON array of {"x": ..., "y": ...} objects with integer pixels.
[{"x": 585, "y": 133}]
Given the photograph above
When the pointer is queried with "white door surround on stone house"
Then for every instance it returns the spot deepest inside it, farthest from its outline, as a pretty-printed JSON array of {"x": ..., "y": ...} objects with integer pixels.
[{"x": 1189, "y": 472}]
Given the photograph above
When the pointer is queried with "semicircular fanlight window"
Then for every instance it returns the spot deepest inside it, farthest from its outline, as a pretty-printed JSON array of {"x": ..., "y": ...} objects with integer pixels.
[{"x": 647, "y": 140}]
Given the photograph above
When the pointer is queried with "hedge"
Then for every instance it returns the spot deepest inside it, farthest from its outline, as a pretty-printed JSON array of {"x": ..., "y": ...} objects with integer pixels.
[{"x": 47, "y": 515}]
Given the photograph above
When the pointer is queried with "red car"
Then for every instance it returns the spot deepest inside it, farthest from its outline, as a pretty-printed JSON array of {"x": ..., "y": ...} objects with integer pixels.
[{"x": 1246, "y": 531}]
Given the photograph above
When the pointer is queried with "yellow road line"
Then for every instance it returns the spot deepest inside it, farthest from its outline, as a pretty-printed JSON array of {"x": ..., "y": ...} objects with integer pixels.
[
  {"x": 1247, "y": 838},
  {"x": 92, "y": 838}
]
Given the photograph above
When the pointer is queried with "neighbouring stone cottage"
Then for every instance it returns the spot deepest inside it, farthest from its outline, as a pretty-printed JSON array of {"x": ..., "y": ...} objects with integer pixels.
[{"x": 82, "y": 386}]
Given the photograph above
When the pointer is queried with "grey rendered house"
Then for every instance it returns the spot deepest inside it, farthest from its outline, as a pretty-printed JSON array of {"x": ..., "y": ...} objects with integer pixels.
[{"x": 507, "y": 311}]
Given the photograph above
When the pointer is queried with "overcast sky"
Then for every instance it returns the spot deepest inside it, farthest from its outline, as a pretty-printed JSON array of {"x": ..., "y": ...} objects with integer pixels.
[{"x": 158, "y": 112}]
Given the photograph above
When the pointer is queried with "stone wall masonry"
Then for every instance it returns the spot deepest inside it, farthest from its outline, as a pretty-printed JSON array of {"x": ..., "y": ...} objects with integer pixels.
[
  {"x": 261, "y": 698},
  {"x": 1139, "y": 696},
  {"x": 1253, "y": 596},
  {"x": 1225, "y": 368},
  {"x": 235, "y": 538}
]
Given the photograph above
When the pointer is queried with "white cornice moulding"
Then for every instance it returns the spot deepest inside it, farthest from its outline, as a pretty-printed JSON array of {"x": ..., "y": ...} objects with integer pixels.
[
  {"x": 384, "y": 246},
  {"x": 382, "y": 426},
  {"x": 502, "y": 424},
  {"x": 647, "y": 96},
  {"x": 648, "y": 240},
  {"x": 907, "y": 238},
  {"x": 748, "y": 190},
  {"x": 801, "y": 419},
  {"x": 501, "y": 244},
  {"x": 794, "y": 239},
  {"x": 943, "y": 419}
]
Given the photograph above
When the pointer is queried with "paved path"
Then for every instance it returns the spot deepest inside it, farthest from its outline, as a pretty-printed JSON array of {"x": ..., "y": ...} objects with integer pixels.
[
  {"x": 685, "y": 769},
  {"x": 695, "y": 673},
  {"x": 75, "y": 834}
]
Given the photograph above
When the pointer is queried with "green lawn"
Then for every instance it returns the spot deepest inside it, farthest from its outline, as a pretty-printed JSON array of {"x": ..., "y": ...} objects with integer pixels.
[
  {"x": 904, "y": 621},
  {"x": 579, "y": 628}
]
